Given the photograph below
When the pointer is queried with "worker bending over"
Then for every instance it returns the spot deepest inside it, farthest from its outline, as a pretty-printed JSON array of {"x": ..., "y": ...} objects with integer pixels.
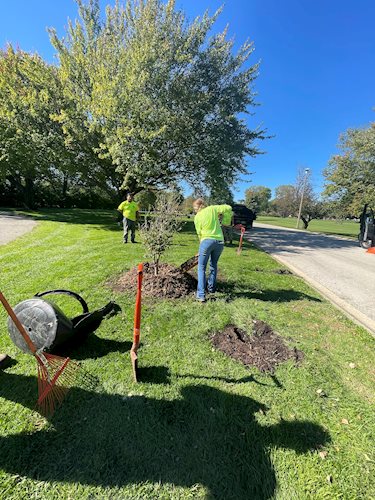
[{"x": 210, "y": 234}]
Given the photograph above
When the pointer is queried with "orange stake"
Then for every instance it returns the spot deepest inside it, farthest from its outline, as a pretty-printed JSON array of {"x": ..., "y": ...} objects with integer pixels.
[
  {"x": 137, "y": 323},
  {"x": 243, "y": 229}
]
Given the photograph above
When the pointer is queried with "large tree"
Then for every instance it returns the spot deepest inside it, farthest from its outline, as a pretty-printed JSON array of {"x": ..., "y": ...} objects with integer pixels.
[
  {"x": 285, "y": 201},
  {"x": 257, "y": 198},
  {"x": 163, "y": 96},
  {"x": 42, "y": 160},
  {"x": 350, "y": 175},
  {"x": 31, "y": 142}
]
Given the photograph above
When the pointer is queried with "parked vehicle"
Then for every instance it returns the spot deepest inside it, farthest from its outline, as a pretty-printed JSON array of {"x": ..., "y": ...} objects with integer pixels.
[
  {"x": 243, "y": 215},
  {"x": 366, "y": 236}
]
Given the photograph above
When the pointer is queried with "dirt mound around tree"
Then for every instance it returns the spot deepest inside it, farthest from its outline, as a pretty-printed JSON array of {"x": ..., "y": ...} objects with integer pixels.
[
  {"x": 170, "y": 282},
  {"x": 264, "y": 349}
]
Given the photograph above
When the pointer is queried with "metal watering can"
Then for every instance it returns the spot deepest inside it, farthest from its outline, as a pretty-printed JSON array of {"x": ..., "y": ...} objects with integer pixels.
[{"x": 49, "y": 328}]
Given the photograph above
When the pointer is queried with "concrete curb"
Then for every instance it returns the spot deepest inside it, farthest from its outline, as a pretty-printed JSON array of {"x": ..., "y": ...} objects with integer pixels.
[{"x": 352, "y": 313}]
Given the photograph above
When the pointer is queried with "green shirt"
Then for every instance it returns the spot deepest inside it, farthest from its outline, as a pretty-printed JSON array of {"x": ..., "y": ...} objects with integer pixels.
[
  {"x": 129, "y": 209},
  {"x": 227, "y": 218},
  {"x": 207, "y": 222}
]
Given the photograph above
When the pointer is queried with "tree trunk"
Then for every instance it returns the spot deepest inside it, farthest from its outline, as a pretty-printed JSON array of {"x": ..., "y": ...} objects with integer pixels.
[
  {"x": 64, "y": 191},
  {"x": 29, "y": 192},
  {"x": 156, "y": 268},
  {"x": 305, "y": 222}
]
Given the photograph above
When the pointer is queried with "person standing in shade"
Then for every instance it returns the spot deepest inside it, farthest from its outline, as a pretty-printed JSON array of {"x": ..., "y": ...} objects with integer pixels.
[
  {"x": 226, "y": 226},
  {"x": 210, "y": 234},
  {"x": 130, "y": 212}
]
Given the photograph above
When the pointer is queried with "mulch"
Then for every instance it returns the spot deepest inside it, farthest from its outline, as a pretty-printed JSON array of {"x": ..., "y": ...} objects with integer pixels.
[
  {"x": 264, "y": 348},
  {"x": 170, "y": 282}
]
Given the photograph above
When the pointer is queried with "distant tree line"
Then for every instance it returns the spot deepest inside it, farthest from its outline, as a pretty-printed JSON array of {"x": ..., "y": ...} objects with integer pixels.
[
  {"x": 287, "y": 200},
  {"x": 350, "y": 184},
  {"x": 140, "y": 98}
]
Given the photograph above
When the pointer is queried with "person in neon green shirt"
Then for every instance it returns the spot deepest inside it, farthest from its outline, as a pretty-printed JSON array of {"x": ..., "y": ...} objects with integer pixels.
[
  {"x": 130, "y": 211},
  {"x": 210, "y": 234}
]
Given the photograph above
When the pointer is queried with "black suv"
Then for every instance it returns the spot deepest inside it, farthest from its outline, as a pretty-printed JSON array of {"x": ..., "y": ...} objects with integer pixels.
[{"x": 243, "y": 215}]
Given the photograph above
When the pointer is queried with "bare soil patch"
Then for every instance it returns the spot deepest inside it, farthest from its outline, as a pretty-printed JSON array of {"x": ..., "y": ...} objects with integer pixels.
[
  {"x": 264, "y": 348},
  {"x": 171, "y": 282}
]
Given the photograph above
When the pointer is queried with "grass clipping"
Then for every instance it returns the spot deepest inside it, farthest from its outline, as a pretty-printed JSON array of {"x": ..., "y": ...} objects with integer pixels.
[{"x": 264, "y": 349}]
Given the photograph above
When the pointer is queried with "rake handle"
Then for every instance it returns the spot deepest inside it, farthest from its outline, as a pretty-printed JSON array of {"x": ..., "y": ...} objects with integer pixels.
[{"x": 18, "y": 324}]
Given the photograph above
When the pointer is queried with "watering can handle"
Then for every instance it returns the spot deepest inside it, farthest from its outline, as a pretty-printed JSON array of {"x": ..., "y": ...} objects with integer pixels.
[{"x": 66, "y": 292}]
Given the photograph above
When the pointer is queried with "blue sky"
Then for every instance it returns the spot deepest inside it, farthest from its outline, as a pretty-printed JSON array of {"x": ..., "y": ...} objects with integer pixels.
[{"x": 317, "y": 73}]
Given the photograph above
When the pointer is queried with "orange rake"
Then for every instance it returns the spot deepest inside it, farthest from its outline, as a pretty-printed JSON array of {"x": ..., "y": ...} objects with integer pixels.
[
  {"x": 55, "y": 374},
  {"x": 137, "y": 323}
]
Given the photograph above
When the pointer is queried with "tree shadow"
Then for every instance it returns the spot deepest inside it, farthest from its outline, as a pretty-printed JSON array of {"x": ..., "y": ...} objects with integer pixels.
[
  {"x": 106, "y": 219},
  {"x": 295, "y": 241},
  {"x": 232, "y": 292},
  {"x": 91, "y": 348},
  {"x": 243, "y": 380},
  {"x": 206, "y": 436}
]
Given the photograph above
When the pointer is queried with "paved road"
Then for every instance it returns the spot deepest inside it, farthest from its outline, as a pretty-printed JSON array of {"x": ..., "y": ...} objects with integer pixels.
[
  {"x": 12, "y": 226},
  {"x": 337, "y": 267}
]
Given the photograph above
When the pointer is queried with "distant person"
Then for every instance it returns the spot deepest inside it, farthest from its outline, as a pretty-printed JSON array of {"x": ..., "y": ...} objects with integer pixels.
[
  {"x": 227, "y": 221},
  {"x": 130, "y": 213},
  {"x": 211, "y": 245}
]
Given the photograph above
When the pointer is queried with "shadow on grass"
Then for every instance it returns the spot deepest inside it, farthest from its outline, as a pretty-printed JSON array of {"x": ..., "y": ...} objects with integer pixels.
[
  {"x": 233, "y": 292},
  {"x": 295, "y": 241},
  {"x": 104, "y": 218},
  {"x": 92, "y": 347},
  {"x": 243, "y": 380},
  {"x": 206, "y": 436}
]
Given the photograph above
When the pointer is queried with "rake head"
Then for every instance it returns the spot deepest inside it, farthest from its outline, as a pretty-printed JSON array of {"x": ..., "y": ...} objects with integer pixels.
[{"x": 56, "y": 375}]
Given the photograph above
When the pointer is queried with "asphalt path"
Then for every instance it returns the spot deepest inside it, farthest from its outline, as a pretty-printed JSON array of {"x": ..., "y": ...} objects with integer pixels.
[
  {"x": 336, "y": 266},
  {"x": 12, "y": 226}
]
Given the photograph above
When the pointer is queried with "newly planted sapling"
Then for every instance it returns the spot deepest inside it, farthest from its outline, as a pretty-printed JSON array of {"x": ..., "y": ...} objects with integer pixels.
[{"x": 160, "y": 226}]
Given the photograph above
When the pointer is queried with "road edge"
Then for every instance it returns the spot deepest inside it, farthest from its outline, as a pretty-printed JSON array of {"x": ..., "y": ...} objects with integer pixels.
[{"x": 349, "y": 311}]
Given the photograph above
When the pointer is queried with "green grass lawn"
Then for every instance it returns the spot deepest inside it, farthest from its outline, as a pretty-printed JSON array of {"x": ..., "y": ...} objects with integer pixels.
[
  {"x": 198, "y": 425},
  {"x": 339, "y": 227}
]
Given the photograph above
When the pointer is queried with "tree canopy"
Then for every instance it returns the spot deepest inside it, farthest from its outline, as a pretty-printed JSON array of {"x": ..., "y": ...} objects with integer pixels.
[
  {"x": 350, "y": 175},
  {"x": 288, "y": 200},
  {"x": 140, "y": 98},
  {"x": 164, "y": 96},
  {"x": 257, "y": 198}
]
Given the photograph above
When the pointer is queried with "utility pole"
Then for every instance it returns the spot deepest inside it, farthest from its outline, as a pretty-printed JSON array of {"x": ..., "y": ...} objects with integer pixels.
[{"x": 307, "y": 170}]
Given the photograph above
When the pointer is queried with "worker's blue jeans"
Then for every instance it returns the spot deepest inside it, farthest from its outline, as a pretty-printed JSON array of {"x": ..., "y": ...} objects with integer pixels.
[{"x": 208, "y": 249}]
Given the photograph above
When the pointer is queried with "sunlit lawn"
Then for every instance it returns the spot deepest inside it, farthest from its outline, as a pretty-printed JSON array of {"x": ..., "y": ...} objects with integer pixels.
[
  {"x": 339, "y": 227},
  {"x": 198, "y": 425}
]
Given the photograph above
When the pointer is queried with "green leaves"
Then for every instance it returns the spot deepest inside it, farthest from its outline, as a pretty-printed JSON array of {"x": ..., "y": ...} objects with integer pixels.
[
  {"x": 161, "y": 93},
  {"x": 351, "y": 175}
]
